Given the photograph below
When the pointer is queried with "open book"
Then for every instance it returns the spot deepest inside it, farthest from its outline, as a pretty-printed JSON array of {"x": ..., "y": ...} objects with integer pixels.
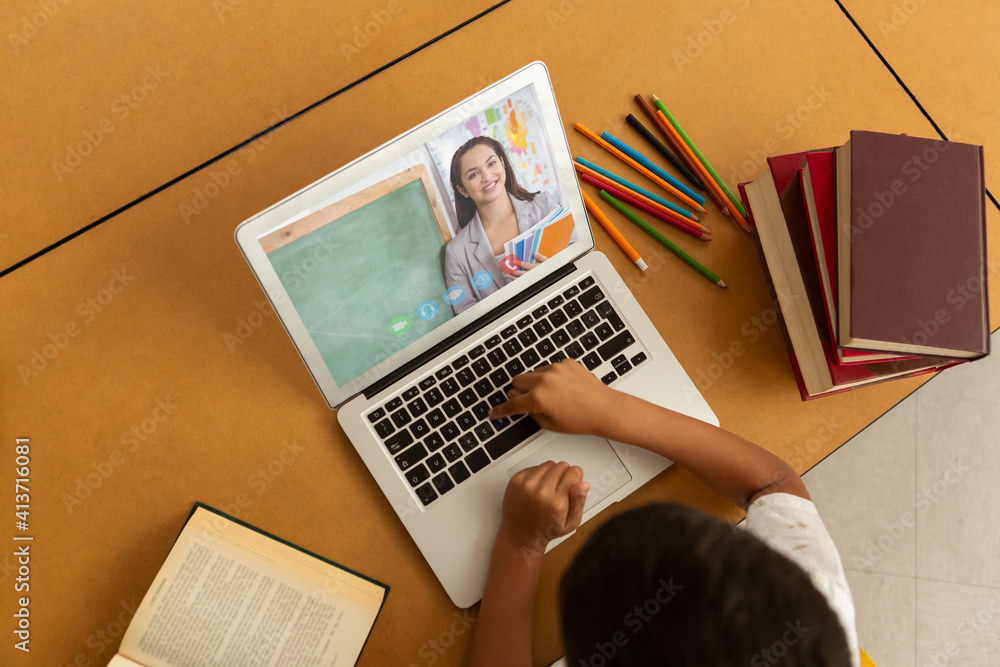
[{"x": 229, "y": 594}]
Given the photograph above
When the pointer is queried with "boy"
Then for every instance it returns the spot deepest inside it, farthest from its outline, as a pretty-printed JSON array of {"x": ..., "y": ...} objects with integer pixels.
[{"x": 664, "y": 585}]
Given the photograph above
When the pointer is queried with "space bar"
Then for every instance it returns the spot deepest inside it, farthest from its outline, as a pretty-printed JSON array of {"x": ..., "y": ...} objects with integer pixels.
[{"x": 512, "y": 437}]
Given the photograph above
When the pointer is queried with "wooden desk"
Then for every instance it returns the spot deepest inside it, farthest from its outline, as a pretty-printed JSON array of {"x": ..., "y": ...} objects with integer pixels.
[
  {"x": 948, "y": 59},
  {"x": 104, "y": 102},
  {"x": 141, "y": 401}
]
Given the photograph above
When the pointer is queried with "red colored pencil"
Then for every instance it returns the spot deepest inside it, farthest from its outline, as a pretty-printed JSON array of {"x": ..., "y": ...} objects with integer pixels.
[
  {"x": 691, "y": 221},
  {"x": 626, "y": 197}
]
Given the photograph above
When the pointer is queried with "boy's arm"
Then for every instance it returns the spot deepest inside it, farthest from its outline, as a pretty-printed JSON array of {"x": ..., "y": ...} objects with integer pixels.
[
  {"x": 566, "y": 397},
  {"x": 541, "y": 504}
]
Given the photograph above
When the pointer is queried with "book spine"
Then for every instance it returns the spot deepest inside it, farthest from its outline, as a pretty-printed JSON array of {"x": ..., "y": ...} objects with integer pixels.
[{"x": 986, "y": 256}]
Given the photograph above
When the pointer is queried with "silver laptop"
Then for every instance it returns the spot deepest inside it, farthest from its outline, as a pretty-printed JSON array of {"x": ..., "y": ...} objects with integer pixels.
[{"x": 412, "y": 317}]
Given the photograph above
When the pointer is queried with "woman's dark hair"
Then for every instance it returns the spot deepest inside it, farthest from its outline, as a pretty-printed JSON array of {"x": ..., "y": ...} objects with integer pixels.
[
  {"x": 671, "y": 585},
  {"x": 464, "y": 206}
]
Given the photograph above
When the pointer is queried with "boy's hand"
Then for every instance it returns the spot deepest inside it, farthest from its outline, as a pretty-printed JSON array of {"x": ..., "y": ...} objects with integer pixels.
[
  {"x": 563, "y": 397},
  {"x": 541, "y": 504}
]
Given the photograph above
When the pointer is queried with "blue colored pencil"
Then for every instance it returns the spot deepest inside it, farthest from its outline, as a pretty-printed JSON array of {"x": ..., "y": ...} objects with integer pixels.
[
  {"x": 635, "y": 188},
  {"x": 648, "y": 164},
  {"x": 678, "y": 163}
]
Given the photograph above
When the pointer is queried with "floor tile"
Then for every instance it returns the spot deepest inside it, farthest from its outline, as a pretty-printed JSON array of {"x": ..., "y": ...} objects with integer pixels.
[
  {"x": 886, "y": 613},
  {"x": 958, "y": 464},
  {"x": 865, "y": 493},
  {"x": 977, "y": 381},
  {"x": 957, "y": 625}
]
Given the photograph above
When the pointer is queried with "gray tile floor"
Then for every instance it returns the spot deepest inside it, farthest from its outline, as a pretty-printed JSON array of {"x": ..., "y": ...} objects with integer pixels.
[{"x": 913, "y": 504}]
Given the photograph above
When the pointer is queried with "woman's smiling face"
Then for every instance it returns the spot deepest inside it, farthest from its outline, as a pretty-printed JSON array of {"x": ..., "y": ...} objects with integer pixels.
[{"x": 483, "y": 176}]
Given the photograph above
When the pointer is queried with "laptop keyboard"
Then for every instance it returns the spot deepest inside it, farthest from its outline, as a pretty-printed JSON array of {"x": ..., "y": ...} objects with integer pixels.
[{"x": 437, "y": 430}]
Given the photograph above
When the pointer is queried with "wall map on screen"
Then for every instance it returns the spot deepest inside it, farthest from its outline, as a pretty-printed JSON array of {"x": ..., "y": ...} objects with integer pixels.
[{"x": 424, "y": 238}]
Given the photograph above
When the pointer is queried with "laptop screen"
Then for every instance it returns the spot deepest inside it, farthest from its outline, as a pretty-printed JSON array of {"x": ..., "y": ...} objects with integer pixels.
[{"x": 429, "y": 229}]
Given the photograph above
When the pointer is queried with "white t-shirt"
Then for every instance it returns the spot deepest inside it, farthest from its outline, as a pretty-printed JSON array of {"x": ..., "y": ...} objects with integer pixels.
[{"x": 791, "y": 526}]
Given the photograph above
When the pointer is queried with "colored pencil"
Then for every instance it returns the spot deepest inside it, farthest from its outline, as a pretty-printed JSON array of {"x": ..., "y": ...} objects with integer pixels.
[
  {"x": 681, "y": 150},
  {"x": 647, "y": 204},
  {"x": 711, "y": 186},
  {"x": 629, "y": 199},
  {"x": 694, "y": 149},
  {"x": 652, "y": 166},
  {"x": 695, "y": 224},
  {"x": 684, "y": 213},
  {"x": 613, "y": 231},
  {"x": 662, "y": 239},
  {"x": 582, "y": 129},
  {"x": 664, "y": 151},
  {"x": 720, "y": 197}
]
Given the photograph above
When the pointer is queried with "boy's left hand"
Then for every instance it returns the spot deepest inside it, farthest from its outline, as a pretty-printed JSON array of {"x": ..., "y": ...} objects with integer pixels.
[{"x": 541, "y": 504}]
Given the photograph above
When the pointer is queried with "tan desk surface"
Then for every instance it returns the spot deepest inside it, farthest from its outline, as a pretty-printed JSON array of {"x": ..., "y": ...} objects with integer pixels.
[
  {"x": 152, "y": 395},
  {"x": 948, "y": 58},
  {"x": 104, "y": 102}
]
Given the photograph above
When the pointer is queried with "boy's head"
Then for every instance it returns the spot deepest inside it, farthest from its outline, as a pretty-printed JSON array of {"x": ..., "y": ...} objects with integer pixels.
[{"x": 670, "y": 585}]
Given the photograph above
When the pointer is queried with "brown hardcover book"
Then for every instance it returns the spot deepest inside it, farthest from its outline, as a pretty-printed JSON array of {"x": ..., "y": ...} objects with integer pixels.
[
  {"x": 911, "y": 246},
  {"x": 782, "y": 238},
  {"x": 819, "y": 192}
]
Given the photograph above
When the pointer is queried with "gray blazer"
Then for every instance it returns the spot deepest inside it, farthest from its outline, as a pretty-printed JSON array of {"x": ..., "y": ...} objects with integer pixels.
[{"x": 469, "y": 252}]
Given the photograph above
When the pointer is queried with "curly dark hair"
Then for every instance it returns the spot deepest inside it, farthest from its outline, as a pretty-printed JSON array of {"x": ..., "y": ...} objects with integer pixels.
[
  {"x": 671, "y": 585},
  {"x": 464, "y": 206}
]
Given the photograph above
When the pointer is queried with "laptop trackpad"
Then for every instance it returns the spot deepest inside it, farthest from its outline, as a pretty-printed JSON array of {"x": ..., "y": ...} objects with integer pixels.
[{"x": 601, "y": 465}]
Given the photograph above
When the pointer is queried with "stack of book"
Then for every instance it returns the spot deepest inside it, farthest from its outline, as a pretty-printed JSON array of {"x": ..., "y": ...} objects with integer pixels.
[{"x": 875, "y": 254}]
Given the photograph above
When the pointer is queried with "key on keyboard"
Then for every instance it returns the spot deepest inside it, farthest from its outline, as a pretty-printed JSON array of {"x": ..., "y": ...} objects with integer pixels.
[{"x": 439, "y": 432}]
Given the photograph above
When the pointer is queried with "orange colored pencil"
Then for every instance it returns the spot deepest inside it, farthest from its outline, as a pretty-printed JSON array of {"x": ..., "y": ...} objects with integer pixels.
[
  {"x": 707, "y": 178},
  {"x": 582, "y": 129},
  {"x": 677, "y": 143},
  {"x": 622, "y": 242},
  {"x": 687, "y": 157},
  {"x": 694, "y": 224}
]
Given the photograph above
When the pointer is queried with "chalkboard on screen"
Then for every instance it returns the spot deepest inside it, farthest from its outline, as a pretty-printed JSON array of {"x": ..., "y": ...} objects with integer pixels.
[{"x": 365, "y": 273}]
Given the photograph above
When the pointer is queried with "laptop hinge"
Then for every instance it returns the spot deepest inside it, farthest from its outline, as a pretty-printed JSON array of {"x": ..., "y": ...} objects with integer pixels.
[{"x": 469, "y": 330}]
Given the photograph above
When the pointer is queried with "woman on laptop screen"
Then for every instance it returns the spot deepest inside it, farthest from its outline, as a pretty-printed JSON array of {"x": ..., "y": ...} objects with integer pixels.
[{"x": 492, "y": 210}]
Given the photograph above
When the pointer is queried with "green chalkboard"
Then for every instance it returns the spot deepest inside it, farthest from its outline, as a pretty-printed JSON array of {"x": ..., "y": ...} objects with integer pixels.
[{"x": 361, "y": 282}]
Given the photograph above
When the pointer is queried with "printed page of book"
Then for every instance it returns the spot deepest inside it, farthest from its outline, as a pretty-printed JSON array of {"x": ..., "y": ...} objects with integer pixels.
[
  {"x": 230, "y": 596},
  {"x": 121, "y": 661},
  {"x": 781, "y": 265}
]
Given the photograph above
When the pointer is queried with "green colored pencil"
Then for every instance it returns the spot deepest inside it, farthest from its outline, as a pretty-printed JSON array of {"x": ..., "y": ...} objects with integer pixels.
[
  {"x": 662, "y": 239},
  {"x": 694, "y": 149}
]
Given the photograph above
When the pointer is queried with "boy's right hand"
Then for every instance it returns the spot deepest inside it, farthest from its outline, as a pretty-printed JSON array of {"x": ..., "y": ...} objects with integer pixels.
[
  {"x": 563, "y": 397},
  {"x": 541, "y": 504}
]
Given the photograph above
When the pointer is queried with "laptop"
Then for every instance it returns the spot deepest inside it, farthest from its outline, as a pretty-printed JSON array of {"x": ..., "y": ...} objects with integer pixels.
[{"x": 412, "y": 318}]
